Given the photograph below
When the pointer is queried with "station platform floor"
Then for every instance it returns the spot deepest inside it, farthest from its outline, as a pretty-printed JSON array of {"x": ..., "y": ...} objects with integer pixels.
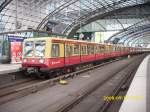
[
  {"x": 9, "y": 68},
  {"x": 137, "y": 98}
]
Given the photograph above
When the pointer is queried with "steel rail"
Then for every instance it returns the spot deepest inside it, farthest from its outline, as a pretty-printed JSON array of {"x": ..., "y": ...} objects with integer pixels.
[
  {"x": 76, "y": 101},
  {"x": 32, "y": 88}
]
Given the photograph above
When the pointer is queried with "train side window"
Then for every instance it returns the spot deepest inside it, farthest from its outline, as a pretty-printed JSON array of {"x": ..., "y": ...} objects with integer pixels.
[
  {"x": 96, "y": 49},
  {"x": 106, "y": 49},
  {"x": 83, "y": 50},
  {"x": 101, "y": 49},
  {"x": 92, "y": 49},
  {"x": 88, "y": 49},
  {"x": 110, "y": 48},
  {"x": 114, "y": 48},
  {"x": 117, "y": 48},
  {"x": 68, "y": 50},
  {"x": 76, "y": 49},
  {"x": 55, "y": 50}
]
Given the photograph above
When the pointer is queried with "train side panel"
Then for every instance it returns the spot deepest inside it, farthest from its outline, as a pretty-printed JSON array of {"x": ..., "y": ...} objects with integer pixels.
[{"x": 60, "y": 53}]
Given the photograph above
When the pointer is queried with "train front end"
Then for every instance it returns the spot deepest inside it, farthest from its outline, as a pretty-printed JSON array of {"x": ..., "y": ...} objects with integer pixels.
[{"x": 34, "y": 54}]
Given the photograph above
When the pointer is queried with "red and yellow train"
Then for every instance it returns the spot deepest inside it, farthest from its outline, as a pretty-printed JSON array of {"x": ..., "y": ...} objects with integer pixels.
[{"x": 53, "y": 54}]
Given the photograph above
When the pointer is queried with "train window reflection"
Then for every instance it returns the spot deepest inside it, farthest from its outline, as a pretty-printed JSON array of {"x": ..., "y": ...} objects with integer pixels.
[
  {"x": 76, "y": 49},
  {"x": 28, "y": 48},
  {"x": 55, "y": 50},
  {"x": 39, "y": 48}
]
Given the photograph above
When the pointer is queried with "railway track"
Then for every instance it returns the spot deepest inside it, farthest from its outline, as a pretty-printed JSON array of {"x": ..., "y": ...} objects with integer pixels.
[
  {"x": 100, "y": 97},
  {"x": 22, "y": 88},
  {"x": 122, "y": 86},
  {"x": 15, "y": 91},
  {"x": 6, "y": 90},
  {"x": 16, "y": 82}
]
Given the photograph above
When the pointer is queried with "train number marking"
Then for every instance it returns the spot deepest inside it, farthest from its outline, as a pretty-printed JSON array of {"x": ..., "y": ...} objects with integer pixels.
[{"x": 55, "y": 62}]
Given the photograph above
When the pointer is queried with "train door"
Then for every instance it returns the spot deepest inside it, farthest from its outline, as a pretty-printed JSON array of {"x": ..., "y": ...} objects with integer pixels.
[
  {"x": 83, "y": 53},
  {"x": 57, "y": 55},
  {"x": 68, "y": 53},
  {"x": 106, "y": 53},
  {"x": 76, "y": 54}
]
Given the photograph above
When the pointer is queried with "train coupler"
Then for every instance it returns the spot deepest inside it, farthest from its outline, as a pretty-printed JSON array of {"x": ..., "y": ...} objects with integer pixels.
[{"x": 32, "y": 70}]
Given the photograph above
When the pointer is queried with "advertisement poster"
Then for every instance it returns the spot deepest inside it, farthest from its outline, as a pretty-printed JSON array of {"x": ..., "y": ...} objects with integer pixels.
[{"x": 16, "y": 52}]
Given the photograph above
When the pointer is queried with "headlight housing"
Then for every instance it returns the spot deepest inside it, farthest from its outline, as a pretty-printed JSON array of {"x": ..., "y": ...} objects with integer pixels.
[
  {"x": 41, "y": 60},
  {"x": 33, "y": 60},
  {"x": 25, "y": 60}
]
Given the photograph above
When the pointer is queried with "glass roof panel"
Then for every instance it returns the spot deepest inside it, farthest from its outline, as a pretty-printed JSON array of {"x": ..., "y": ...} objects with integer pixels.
[{"x": 36, "y": 14}]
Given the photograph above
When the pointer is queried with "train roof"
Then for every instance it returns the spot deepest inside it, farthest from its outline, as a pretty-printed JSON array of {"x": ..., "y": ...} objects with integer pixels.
[{"x": 69, "y": 40}]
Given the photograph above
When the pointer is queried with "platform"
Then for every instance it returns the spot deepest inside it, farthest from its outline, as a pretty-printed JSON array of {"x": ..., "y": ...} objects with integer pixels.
[
  {"x": 137, "y": 97},
  {"x": 9, "y": 68}
]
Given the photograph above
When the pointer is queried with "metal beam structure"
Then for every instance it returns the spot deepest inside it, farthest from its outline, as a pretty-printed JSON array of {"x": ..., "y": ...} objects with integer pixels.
[
  {"x": 35, "y": 14},
  {"x": 4, "y": 3},
  {"x": 131, "y": 29},
  {"x": 70, "y": 30},
  {"x": 127, "y": 36},
  {"x": 70, "y": 15},
  {"x": 137, "y": 11},
  {"x": 139, "y": 36},
  {"x": 145, "y": 38},
  {"x": 132, "y": 33}
]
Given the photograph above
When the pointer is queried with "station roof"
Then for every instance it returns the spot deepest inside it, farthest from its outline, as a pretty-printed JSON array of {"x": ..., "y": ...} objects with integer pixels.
[
  {"x": 62, "y": 16},
  {"x": 131, "y": 36}
]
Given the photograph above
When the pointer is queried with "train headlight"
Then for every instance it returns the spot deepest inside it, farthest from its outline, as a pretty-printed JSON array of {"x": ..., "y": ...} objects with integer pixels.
[
  {"x": 41, "y": 60},
  {"x": 25, "y": 60},
  {"x": 33, "y": 60}
]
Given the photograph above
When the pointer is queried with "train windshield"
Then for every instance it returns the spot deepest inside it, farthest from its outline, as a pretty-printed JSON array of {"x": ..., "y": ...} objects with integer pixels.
[
  {"x": 28, "y": 49},
  {"x": 39, "y": 48}
]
